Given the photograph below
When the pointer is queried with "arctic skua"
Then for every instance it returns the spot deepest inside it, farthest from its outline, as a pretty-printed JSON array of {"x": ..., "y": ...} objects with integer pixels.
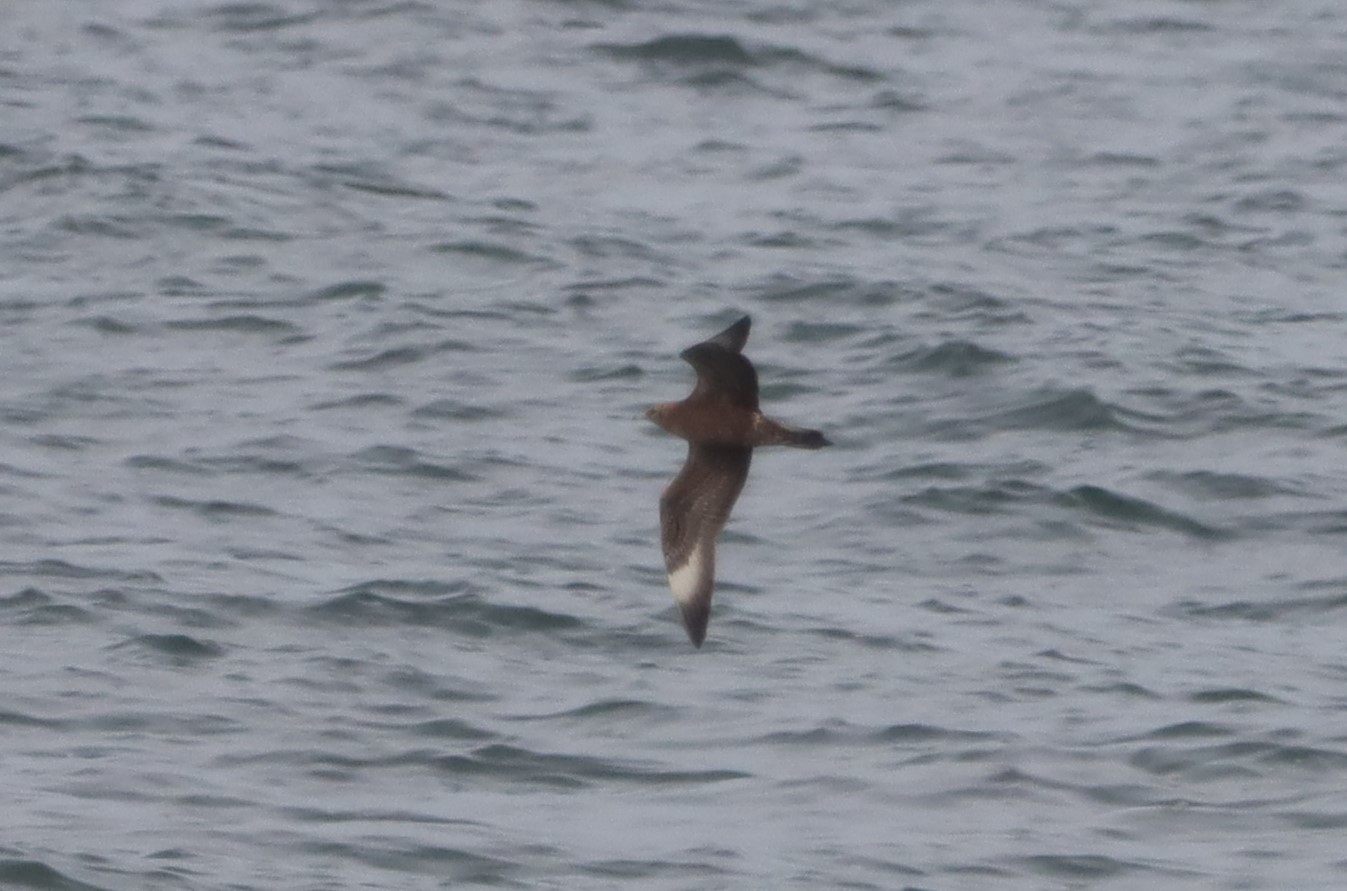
[{"x": 722, "y": 425}]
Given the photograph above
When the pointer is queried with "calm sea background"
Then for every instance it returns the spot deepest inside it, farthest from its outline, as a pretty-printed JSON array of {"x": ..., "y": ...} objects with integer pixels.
[{"x": 328, "y": 524}]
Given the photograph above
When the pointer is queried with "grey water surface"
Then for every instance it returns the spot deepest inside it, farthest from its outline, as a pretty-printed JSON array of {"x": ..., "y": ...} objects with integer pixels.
[{"x": 328, "y": 532}]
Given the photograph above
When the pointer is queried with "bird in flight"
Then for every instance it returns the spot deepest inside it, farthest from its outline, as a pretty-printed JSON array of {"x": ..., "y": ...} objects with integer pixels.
[{"x": 722, "y": 425}]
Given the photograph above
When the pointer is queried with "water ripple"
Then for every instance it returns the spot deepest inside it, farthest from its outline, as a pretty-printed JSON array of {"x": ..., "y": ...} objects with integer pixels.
[{"x": 332, "y": 537}]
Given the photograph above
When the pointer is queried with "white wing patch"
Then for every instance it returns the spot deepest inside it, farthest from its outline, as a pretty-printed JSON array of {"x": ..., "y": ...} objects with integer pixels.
[{"x": 686, "y": 579}]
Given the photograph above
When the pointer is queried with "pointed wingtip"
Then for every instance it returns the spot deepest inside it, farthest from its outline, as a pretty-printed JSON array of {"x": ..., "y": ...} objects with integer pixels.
[
  {"x": 696, "y": 616},
  {"x": 734, "y": 337},
  {"x": 806, "y": 439}
]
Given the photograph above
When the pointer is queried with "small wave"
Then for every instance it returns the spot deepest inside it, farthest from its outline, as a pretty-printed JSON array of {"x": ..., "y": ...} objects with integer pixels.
[
  {"x": 478, "y": 104},
  {"x": 449, "y": 728},
  {"x": 1188, "y": 730},
  {"x": 926, "y": 733},
  {"x": 1083, "y": 867},
  {"x": 1123, "y": 688},
  {"x": 623, "y": 709},
  {"x": 913, "y": 224},
  {"x": 875, "y": 641},
  {"x": 955, "y": 358},
  {"x": 457, "y": 410},
  {"x": 956, "y": 300},
  {"x": 1122, "y": 159},
  {"x": 725, "y": 51},
  {"x": 850, "y": 126},
  {"x": 791, "y": 56},
  {"x": 32, "y": 606},
  {"x": 103, "y": 225},
  {"x": 840, "y": 291},
  {"x": 242, "y": 324},
  {"x": 390, "y": 358},
  {"x": 1269, "y": 610},
  {"x": 1213, "y": 485},
  {"x": 784, "y": 238},
  {"x": 215, "y": 509},
  {"x": 241, "y": 606},
  {"x": 254, "y": 16},
  {"x": 452, "y": 866},
  {"x": 443, "y": 606},
  {"x": 403, "y": 461},
  {"x": 822, "y": 332},
  {"x": 186, "y": 725},
  {"x": 1134, "y": 512},
  {"x": 684, "y": 49},
  {"x": 177, "y": 647},
  {"x": 317, "y": 814},
  {"x": 403, "y": 355},
  {"x": 616, "y": 371},
  {"x": 1072, "y": 410},
  {"x": 348, "y": 291},
  {"x": 374, "y": 180},
  {"x": 64, "y": 441},
  {"x": 1207, "y": 361},
  {"x": 21, "y": 719},
  {"x": 359, "y": 400},
  {"x": 164, "y": 463},
  {"x": 512, "y": 764},
  {"x": 39, "y": 876},
  {"x": 60, "y": 569},
  {"x": 727, "y": 81},
  {"x": 105, "y": 324},
  {"x": 1176, "y": 240},
  {"x": 1146, "y": 25},
  {"x": 890, "y": 100},
  {"x": 940, "y": 470},
  {"x": 497, "y": 253},
  {"x": 676, "y": 873},
  {"x": 1013, "y": 494},
  {"x": 1221, "y": 695},
  {"x": 1316, "y": 821},
  {"x": 186, "y": 286},
  {"x": 1241, "y": 758},
  {"x": 995, "y": 497},
  {"x": 900, "y": 734},
  {"x": 1279, "y": 200},
  {"x": 1220, "y": 410}
]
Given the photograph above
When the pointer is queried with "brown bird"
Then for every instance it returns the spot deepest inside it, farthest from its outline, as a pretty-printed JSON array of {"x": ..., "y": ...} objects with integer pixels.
[{"x": 722, "y": 425}]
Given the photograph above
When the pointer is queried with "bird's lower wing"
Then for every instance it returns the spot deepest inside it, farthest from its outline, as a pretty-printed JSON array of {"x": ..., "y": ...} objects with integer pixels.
[{"x": 693, "y": 510}]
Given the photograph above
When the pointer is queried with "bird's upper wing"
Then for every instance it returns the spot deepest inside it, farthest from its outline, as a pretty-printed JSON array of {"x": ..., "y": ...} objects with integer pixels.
[
  {"x": 724, "y": 374},
  {"x": 692, "y": 511}
]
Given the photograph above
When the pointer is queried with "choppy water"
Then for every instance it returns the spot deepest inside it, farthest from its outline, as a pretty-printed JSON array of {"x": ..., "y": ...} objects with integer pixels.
[{"x": 329, "y": 535}]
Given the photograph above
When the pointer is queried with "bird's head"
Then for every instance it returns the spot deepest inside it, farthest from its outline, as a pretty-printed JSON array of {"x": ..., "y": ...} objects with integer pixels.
[{"x": 657, "y": 414}]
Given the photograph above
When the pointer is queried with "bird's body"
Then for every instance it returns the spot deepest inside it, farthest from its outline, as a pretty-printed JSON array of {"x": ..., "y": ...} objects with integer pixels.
[{"x": 722, "y": 424}]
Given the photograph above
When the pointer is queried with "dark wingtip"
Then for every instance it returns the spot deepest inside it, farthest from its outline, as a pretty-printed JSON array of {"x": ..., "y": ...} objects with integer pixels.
[
  {"x": 810, "y": 439},
  {"x": 734, "y": 337},
  {"x": 696, "y": 616}
]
